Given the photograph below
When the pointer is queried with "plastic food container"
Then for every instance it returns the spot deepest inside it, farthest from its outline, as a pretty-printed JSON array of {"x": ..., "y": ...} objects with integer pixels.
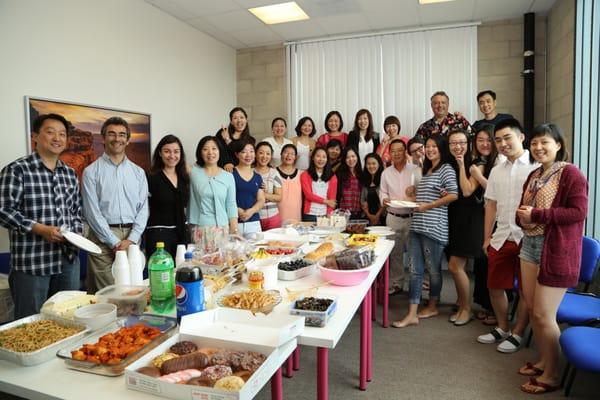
[
  {"x": 46, "y": 353},
  {"x": 316, "y": 319},
  {"x": 357, "y": 226},
  {"x": 296, "y": 274},
  {"x": 95, "y": 316},
  {"x": 129, "y": 299},
  {"x": 344, "y": 278},
  {"x": 165, "y": 324}
]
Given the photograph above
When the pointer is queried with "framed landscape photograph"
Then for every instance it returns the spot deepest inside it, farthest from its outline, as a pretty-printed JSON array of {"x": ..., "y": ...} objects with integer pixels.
[{"x": 85, "y": 143}]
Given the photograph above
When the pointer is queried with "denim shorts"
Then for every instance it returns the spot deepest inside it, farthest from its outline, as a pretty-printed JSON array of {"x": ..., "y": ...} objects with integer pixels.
[{"x": 531, "y": 249}]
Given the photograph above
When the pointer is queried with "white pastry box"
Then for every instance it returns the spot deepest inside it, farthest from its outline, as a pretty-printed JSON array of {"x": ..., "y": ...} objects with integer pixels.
[{"x": 273, "y": 335}]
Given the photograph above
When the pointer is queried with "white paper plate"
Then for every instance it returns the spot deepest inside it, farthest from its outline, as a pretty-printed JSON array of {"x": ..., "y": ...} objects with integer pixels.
[
  {"x": 81, "y": 242},
  {"x": 380, "y": 230},
  {"x": 403, "y": 204}
]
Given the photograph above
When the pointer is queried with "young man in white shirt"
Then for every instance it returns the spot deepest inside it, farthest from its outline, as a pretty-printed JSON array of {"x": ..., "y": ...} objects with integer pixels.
[{"x": 502, "y": 195}]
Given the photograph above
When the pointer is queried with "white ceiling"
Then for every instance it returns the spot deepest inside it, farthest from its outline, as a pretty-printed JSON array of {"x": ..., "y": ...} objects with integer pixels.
[{"x": 230, "y": 22}]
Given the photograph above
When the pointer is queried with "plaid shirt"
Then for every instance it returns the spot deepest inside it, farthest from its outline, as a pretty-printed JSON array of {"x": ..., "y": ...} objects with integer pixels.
[
  {"x": 350, "y": 198},
  {"x": 431, "y": 127},
  {"x": 30, "y": 193}
]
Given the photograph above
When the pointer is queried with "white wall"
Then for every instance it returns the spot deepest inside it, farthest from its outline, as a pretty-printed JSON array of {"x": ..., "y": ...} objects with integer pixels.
[{"x": 117, "y": 53}]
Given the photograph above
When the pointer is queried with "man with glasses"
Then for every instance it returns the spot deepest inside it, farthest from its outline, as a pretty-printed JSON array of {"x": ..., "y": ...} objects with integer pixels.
[
  {"x": 39, "y": 194},
  {"x": 115, "y": 202},
  {"x": 416, "y": 151},
  {"x": 442, "y": 121},
  {"x": 487, "y": 105}
]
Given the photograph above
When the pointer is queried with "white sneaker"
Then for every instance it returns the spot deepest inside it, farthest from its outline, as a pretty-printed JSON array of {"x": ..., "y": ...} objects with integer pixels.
[
  {"x": 510, "y": 345},
  {"x": 495, "y": 336}
]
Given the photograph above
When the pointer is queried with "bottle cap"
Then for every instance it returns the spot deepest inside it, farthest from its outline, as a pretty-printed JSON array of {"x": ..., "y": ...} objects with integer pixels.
[
  {"x": 188, "y": 255},
  {"x": 160, "y": 245}
]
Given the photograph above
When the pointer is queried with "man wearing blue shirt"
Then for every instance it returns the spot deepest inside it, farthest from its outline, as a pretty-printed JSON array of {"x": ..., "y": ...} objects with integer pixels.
[{"x": 115, "y": 202}]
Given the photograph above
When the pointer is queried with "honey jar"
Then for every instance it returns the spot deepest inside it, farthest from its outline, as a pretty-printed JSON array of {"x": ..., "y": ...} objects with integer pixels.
[{"x": 256, "y": 280}]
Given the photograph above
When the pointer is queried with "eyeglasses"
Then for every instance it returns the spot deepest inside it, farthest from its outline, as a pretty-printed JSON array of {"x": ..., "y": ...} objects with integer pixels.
[
  {"x": 120, "y": 135},
  {"x": 456, "y": 144}
]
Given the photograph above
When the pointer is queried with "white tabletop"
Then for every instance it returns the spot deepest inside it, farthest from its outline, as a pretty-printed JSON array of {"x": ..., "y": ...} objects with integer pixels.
[
  {"x": 349, "y": 299},
  {"x": 53, "y": 380}
]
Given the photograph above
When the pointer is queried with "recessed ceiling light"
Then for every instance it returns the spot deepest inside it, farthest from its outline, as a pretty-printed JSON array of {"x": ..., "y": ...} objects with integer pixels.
[
  {"x": 432, "y": 1},
  {"x": 279, "y": 13}
]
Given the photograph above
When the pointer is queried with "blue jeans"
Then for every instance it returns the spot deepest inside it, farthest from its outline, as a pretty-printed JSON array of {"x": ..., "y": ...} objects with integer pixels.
[
  {"x": 29, "y": 292},
  {"x": 423, "y": 250}
]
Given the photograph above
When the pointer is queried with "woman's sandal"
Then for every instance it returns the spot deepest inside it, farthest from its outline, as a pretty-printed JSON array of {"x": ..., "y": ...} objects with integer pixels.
[
  {"x": 490, "y": 320},
  {"x": 530, "y": 370},
  {"x": 536, "y": 387}
]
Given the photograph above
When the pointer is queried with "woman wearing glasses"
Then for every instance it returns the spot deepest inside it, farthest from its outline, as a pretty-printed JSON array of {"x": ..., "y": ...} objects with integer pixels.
[{"x": 465, "y": 220}]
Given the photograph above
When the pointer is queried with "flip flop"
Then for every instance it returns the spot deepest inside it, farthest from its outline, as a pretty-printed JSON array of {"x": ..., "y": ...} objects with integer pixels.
[
  {"x": 536, "y": 387},
  {"x": 531, "y": 369}
]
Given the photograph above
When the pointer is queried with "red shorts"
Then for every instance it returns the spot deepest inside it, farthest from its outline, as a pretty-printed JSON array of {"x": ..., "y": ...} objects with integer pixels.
[{"x": 503, "y": 266}]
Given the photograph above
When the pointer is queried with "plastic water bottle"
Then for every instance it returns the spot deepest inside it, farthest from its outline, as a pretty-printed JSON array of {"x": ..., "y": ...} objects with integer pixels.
[
  {"x": 162, "y": 280},
  {"x": 189, "y": 288}
]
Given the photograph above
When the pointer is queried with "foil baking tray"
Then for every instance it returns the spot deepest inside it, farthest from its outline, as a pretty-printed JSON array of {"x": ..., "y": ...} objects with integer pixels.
[
  {"x": 46, "y": 353},
  {"x": 165, "y": 324}
]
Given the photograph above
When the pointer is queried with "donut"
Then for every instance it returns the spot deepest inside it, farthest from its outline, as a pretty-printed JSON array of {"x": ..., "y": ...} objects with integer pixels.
[
  {"x": 159, "y": 360},
  {"x": 245, "y": 375},
  {"x": 184, "y": 347},
  {"x": 231, "y": 383},
  {"x": 212, "y": 374}
]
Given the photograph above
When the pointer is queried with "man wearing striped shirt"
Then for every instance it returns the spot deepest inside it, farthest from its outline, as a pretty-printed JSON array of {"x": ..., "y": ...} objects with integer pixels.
[
  {"x": 39, "y": 194},
  {"x": 115, "y": 202}
]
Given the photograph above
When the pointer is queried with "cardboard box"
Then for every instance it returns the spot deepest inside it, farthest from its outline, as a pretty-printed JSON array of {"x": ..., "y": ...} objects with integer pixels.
[{"x": 273, "y": 335}]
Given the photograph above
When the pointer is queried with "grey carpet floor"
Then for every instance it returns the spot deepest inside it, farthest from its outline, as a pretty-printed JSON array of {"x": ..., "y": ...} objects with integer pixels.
[{"x": 435, "y": 360}]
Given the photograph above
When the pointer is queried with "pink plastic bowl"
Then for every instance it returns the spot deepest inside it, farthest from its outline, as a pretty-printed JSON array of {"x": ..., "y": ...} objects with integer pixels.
[{"x": 344, "y": 278}]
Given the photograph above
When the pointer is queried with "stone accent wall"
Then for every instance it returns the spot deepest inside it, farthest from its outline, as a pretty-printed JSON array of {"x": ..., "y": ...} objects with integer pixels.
[
  {"x": 261, "y": 86},
  {"x": 500, "y": 62},
  {"x": 561, "y": 65}
]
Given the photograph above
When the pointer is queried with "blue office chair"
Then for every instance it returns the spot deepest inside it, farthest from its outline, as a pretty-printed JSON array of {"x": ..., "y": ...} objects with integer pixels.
[
  {"x": 577, "y": 308},
  {"x": 580, "y": 347}
]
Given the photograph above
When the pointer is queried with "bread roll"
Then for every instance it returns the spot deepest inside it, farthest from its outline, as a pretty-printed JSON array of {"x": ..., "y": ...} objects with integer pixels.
[{"x": 323, "y": 250}]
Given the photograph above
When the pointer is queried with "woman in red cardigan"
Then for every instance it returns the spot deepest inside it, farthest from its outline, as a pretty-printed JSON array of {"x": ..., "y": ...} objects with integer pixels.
[
  {"x": 552, "y": 213},
  {"x": 319, "y": 186}
]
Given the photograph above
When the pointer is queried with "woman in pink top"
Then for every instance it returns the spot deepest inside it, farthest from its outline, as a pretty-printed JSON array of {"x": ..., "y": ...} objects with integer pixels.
[
  {"x": 333, "y": 126},
  {"x": 290, "y": 206},
  {"x": 319, "y": 186}
]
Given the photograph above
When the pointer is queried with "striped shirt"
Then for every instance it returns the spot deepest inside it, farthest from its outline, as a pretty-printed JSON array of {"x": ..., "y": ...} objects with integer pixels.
[
  {"x": 434, "y": 223},
  {"x": 30, "y": 193},
  {"x": 272, "y": 181}
]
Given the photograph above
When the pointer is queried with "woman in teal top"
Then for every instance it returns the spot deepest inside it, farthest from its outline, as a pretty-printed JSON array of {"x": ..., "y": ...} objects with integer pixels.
[{"x": 212, "y": 189}]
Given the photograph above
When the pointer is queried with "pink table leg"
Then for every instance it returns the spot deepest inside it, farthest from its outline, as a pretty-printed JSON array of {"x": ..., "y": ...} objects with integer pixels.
[
  {"x": 385, "y": 290},
  {"x": 322, "y": 373},
  {"x": 364, "y": 332},
  {"x": 381, "y": 294},
  {"x": 296, "y": 355},
  {"x": 289, "y": 366},
  {"x": 370, "y": 340},
  {"x": 277, "y": 385},
  {"x": 373, "y": 299}
]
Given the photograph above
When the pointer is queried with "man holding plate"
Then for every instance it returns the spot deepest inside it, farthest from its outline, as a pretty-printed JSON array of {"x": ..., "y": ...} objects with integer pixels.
[
  {"x": 398, "y": 183},
  {"x": 39, "y": 194}
]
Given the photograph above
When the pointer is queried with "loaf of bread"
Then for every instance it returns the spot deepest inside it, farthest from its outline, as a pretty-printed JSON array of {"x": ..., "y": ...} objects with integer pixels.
[{"x": 323, "y": 250}]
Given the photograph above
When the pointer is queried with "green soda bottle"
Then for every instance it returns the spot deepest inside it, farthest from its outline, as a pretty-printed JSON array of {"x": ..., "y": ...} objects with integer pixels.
[{"x": 162, "y": 280}]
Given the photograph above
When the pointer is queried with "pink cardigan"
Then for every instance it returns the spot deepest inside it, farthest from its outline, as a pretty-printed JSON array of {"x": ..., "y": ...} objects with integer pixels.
[
  {"x": 563, "y": 235},
  {"x": 309, "y": 196}
]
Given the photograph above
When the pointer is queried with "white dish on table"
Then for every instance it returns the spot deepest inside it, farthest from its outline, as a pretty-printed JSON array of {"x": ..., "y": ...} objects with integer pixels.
[{"x": 96, "y": 316}]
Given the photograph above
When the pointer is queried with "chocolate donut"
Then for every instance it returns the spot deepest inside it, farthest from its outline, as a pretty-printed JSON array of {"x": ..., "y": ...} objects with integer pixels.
[
  {"x": 212, "y": 374},
  {"x": 185, "y": 347},
  {"x": 193, "y": 360},
  {"x": 150, "y": 371}
]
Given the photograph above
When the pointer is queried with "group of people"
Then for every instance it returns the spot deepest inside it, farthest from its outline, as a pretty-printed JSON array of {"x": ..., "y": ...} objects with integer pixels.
[{"x": 481, "y": 195}]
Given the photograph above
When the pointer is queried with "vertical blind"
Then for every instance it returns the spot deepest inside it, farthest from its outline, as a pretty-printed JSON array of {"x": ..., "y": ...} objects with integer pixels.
[
  {"x": 586, "y": 126},
  {"x": 389, "y": 74}
]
